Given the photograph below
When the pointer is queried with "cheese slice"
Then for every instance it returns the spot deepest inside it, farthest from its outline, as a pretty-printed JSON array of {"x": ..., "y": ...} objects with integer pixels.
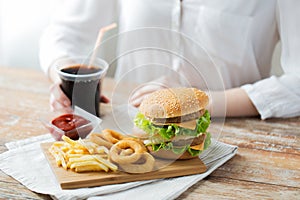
[
  {"x": 182, "y": 137},
  {"x": 198, "y": 147},
  {"x": 189, "y": 124}
]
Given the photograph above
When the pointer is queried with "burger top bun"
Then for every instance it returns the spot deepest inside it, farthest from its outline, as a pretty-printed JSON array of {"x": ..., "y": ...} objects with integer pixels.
[{"x": 173, "y": 102}]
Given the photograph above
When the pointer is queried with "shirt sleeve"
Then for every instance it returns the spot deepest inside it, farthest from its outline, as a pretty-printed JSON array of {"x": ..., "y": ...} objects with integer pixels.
[
  {"x": 280, "y": 96},
  {"x": 73, "y": 29}
]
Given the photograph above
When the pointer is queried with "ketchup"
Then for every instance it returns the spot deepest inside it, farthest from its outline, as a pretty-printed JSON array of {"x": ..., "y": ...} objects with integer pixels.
[{"x": 71, "y": 125}]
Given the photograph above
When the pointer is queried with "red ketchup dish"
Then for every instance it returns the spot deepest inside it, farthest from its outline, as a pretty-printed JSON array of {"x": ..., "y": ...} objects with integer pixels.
[
  {"x": 76, "y": 124},
  {"x": 71, "y": 125}
]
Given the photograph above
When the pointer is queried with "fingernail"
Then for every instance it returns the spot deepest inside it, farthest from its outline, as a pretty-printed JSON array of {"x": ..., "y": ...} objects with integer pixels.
[
  {"x": 66, "y": 103},
  {"x": 58, "y": 106},
  {"x": 134, "y": 103}
]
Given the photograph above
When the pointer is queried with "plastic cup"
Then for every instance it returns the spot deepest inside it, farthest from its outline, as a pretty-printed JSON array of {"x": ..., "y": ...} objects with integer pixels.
[{"x": 81, "y": 81}]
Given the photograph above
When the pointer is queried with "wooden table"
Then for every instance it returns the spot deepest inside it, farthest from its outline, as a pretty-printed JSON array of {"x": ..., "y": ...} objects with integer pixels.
[{"x": 267, "y": 165}]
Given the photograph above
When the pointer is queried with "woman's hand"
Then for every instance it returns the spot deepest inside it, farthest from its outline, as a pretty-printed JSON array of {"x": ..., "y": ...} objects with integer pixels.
[
  {"x": 138, "y": 96},
  {"x": 59, "y": 101},
  {"x": 161, "y": 83}
]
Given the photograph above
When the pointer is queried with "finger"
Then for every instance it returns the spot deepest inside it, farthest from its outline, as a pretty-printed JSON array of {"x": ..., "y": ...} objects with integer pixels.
[
  {"x": 57, "y": 106},
  {"x": 104, "y": 99},
  {"x": 145, "y": 90},
  {"x": 137, "y": 102},
  {"x": 59, "y": 95},
  {"x": 139, "y": 96},
  {"x": 54, "y": 104}
]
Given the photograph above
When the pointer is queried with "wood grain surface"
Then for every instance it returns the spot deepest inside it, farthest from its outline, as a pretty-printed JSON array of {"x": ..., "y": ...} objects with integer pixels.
[{"x": 267, "y": 165}]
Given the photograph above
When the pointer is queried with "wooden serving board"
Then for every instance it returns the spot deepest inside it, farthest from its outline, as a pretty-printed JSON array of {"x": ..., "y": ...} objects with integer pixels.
[{"x": 69, "y": 179}]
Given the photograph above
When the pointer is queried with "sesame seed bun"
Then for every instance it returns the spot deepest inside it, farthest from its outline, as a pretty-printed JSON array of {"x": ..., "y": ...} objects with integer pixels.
[{"x": 173, "y": 102}]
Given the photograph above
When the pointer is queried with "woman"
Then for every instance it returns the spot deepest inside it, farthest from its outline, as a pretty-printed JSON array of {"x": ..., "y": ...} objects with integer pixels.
[{"x": 239, "y": 36}]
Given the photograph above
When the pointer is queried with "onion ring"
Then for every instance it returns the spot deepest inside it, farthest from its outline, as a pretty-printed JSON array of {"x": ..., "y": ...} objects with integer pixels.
[
  {"x": 143, "y": 165},
  {"x": 99, "y": 140},
  {"x": 138, "y": 141},
  {"x": 107, "y": 138},
  {"x": 112, "y": 136},
  {"x": 116, "y": 149}
]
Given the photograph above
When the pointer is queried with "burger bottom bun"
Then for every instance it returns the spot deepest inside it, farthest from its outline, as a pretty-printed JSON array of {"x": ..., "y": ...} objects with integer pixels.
[{"x": 170, "y": 155}]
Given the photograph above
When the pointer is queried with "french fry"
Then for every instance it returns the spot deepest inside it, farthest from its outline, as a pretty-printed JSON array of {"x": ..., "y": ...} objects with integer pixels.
[
  {"x": 59, "y": 156},
  {"x": 59, "y": 143},
  {"x": 56, "y": 157},
  {"x": 92, "y": 165},
  {"x": 98, "y": 167},
  {"x": 106, "y": 162},
  {"x": 83, "y": 163},
  {"x": 65, "y": 148},
  {"x": 79, "y": 151},
  {"x": 63, "y": 161},
  {"x": 69, "y": 140},
  {"x": 102, "y": 149},
  {"x": 71, "y": 155},
  {"x": 81, "y": 156},
  {"x": 89, "y": 147}
]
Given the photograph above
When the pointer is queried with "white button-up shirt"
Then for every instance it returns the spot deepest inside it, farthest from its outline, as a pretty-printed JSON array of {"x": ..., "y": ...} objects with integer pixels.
[{"x": 209, "y": 44}]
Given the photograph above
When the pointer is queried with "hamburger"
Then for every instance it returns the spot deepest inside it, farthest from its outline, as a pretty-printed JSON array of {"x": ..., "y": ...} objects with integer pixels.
[{"x": 175, "y": 122}]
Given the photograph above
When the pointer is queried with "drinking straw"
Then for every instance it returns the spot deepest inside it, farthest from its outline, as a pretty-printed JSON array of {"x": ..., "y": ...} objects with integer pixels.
[{"x": 99, "y": 39}]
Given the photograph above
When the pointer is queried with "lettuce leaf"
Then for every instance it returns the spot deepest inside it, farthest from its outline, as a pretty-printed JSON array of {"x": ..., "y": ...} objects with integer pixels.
[
  {"x": 169, "y": 131},
  {"x": 203, "y": 122},
  {"x": 207, "y": 141},
  {"x": 180, "y": 150},
  {"x": 194, "y": 152}
]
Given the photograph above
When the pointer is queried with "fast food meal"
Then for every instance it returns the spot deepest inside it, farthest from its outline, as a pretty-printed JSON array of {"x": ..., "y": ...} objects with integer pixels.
[{"x": 175, "y": 121}]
